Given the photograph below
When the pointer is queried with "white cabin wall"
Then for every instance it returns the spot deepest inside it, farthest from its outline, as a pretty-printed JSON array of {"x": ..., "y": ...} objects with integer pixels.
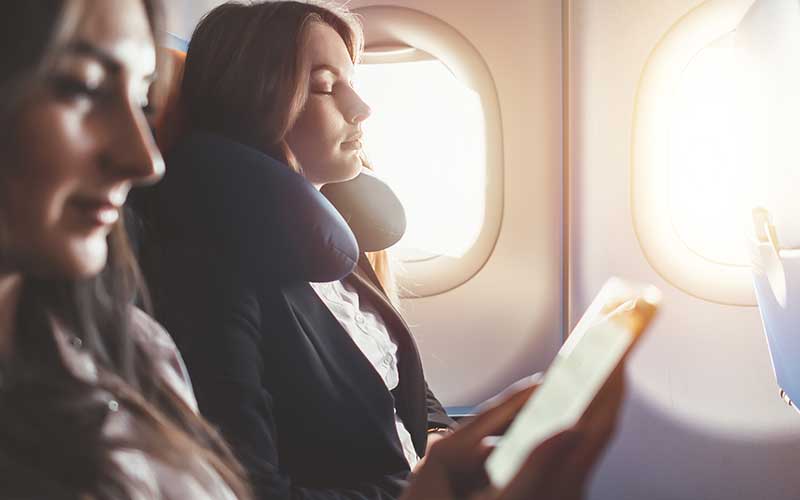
[
  {"x": 703, "y": 419},
  {"x": 183, "y": 15}
]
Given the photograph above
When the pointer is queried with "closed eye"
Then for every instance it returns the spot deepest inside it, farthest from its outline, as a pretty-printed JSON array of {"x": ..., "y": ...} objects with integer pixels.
[
  {"x": 68, "y": 87},
  {"x": 148, "y": 109},
  {"x": 322, "y": 87}
]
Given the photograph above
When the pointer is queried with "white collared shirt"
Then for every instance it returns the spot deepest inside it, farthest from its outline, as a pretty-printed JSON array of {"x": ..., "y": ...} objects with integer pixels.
[{"x": 364, "y": 325}]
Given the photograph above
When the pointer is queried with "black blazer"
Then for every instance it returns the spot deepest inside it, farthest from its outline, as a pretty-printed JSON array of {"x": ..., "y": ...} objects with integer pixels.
[
  {"x": 271, "y": 366},
  {"x": 303, "y": 407}
]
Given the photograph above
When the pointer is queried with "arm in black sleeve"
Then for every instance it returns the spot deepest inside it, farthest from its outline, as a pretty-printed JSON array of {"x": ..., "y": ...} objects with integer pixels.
[
  {"x": 437, "y": 416},
  {"x": 226, "y": 363}
]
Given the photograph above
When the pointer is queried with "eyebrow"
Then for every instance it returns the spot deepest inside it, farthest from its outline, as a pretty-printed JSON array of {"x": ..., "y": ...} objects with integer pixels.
[
  {"x": 111, "y": 64},
  {"x": 327, "y": 67}
]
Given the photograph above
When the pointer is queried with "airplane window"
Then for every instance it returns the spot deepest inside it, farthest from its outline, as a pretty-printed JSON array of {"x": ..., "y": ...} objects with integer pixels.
[
  {"x": 692, "y": 184},
  {"x": 712, "y": 186},
  {"x": 435, "y": 135},
  {"x": 426, "y": 139}
]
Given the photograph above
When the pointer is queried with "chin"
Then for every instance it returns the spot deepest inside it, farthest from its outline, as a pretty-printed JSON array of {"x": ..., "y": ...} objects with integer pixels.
[
  {"x": 86, "y": 258},
  {"x": 337, "y": 169},
  {"x": 350, "y": 171},
  {"x": 354, "y": 173},
  {"x": 341, "y": 175}
]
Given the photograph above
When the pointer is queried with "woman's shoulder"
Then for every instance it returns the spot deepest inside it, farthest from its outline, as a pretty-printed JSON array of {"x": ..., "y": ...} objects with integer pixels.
[
  {"x": 169, "y": 363},
  {"x": 149, "y": 332}
]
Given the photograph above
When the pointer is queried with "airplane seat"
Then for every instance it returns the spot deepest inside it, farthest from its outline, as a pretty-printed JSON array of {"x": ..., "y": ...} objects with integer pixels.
[
  {"x": 168, "y": 124},
  {"x": 776, "y": 278},
  {"x": 169, "y": 120}
]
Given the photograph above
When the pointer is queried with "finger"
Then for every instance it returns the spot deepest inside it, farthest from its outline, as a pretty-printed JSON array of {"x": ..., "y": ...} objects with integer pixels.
[
  {"x": 535, "y": 477},
  {"x": 493, "y": 420},
  {"x": 596, "y": 442},
  {"x": 534, "y": 380},
  {"x": 604, "y": 409},
  {"x": 461, "y": 455},
  {"x": 599, "y": 423}
]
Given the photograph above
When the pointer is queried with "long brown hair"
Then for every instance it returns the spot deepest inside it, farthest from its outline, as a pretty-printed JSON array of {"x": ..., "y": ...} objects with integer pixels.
[
  {"x": 244, "y": 77},
  {"x": 52, "y": 443},
  {"x": 245, "y": 66},
  {"x": 383, "y": 263}
]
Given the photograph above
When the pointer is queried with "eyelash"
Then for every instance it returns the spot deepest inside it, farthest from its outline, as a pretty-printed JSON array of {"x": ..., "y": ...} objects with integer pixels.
[
  {"x": 148, "y": 109},
  {"x": 70, "y": 88}
]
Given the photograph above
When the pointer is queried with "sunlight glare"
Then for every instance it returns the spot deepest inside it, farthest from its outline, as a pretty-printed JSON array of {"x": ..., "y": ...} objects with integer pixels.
[
  {"x": 426, "y": 139},
  {"x": 713, "y": 183}
]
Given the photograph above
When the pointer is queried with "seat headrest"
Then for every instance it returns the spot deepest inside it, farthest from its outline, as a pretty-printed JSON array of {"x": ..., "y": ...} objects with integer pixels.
[
  {"x": 169, "y": 120},
  {"x": 371, "y": 208},
  {"x": 255, "y": 212}
]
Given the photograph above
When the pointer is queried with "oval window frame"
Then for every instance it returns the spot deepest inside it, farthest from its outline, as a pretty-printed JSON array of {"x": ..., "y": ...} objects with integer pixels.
[
  {"x": 398, "y": 34},
  {"x": 662, "y": 246}
]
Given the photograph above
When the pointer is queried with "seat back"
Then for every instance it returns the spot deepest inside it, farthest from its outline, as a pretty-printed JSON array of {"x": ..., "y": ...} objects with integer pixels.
[
  {"x": 170, "y": 121},
  {"x": 776, "y": 277}
]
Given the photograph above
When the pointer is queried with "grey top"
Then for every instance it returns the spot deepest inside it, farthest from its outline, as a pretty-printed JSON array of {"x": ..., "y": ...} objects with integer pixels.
[{"x": 150, "y": 478}]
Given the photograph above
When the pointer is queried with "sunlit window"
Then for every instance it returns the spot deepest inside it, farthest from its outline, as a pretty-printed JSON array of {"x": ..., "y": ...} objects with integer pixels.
[
  {"x": 426, "y": 138},
  {"x": 694, "y": 174},
  {"x": 713, "y": 183}
]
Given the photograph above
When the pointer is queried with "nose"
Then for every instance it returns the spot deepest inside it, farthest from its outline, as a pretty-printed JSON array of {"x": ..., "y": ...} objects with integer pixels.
[
  {"x": 133, "y": 153},
  {"x": 358, "y": 110}
]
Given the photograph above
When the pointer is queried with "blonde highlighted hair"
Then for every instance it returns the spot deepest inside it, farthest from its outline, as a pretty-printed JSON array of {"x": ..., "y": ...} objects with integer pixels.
[
  {"x": 383, "y": 265},
  {"x": 382, "y": 261}
]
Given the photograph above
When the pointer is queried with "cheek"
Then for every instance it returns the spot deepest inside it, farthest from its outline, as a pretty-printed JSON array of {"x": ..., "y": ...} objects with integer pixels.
[
  {"x": 316, "y": 141},
  {"x": 48, "y": 166},
  {"x": 316, "y": 130}
]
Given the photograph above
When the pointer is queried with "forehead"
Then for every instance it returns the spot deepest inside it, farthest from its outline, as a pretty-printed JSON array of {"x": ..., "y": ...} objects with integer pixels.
[
  {"x": 326, "y": 47},
  {"x": 121, "y": 29}
]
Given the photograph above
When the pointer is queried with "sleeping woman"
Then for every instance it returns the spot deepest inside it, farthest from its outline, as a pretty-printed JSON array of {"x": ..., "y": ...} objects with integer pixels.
[{"x": 319, "y": 386}]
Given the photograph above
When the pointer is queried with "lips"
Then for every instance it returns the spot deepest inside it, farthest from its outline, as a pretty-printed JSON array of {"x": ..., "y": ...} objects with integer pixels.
[
  {"x": 353, "y": 142},
  {"x": 351, "y": 145},
  {"x": 97, "y": 211}
]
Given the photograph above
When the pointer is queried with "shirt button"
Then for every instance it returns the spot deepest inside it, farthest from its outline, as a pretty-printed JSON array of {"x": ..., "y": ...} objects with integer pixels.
[
  {"x": 113, "y": 405},
  {"x": 76, "y": 342},
  {"x": 360, "y": 319}
]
